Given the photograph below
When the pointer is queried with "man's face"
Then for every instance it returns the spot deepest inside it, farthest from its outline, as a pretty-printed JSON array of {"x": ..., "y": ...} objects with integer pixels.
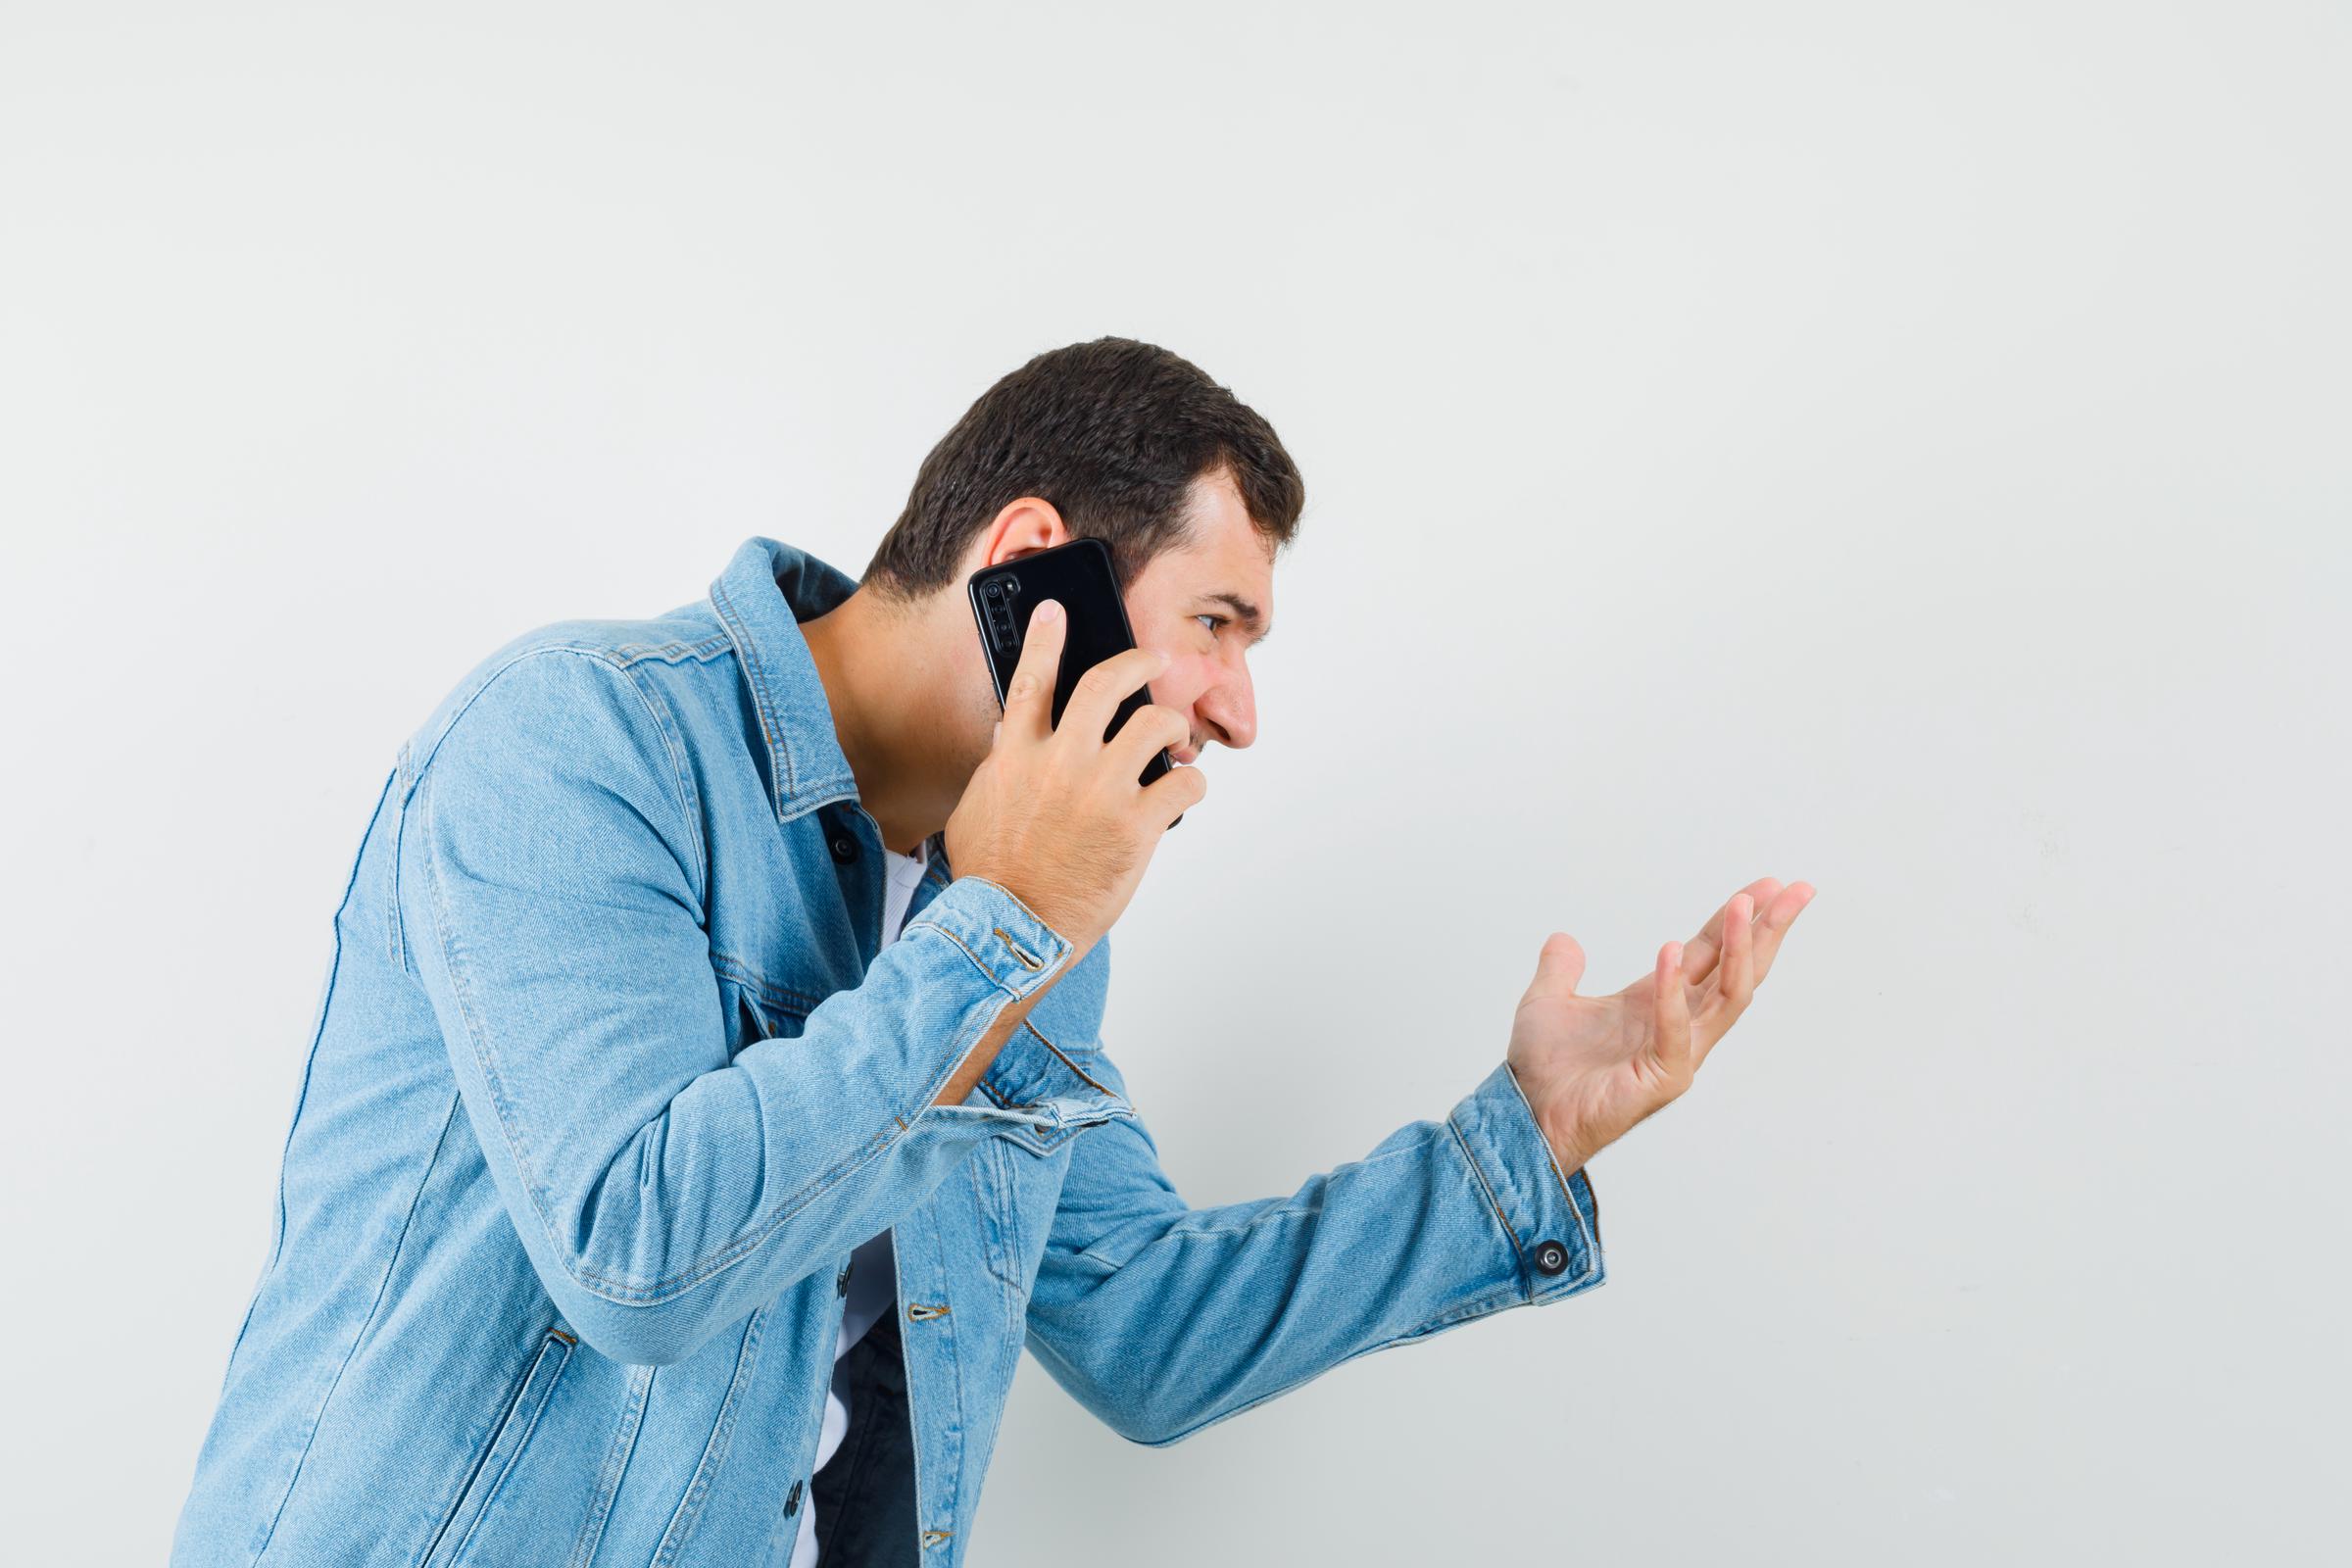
[{"x": 1203, "y": 604}]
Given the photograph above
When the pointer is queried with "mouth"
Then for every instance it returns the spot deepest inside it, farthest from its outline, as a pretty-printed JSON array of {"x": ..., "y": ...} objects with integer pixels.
[{"x": 1187, "y": 757}]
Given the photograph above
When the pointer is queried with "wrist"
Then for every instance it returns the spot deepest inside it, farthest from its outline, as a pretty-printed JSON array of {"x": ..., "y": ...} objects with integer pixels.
[
  {"x": 1566, "y": 1151},
  {"x": 1073, "y": 933},
  {"x": 1560, "y": 1133}
]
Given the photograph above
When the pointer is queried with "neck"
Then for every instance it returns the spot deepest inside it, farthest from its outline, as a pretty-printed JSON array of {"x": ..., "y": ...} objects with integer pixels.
[{"x": 892, "y": 677}]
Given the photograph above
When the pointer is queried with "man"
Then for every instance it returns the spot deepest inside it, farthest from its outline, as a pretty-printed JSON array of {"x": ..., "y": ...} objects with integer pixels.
[{"x": 708, "y": 1101}]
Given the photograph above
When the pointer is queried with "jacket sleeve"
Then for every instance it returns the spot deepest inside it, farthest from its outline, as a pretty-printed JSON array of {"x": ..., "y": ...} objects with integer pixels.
[
  {"x": 551, "y": 886},
  {"x": 1164, "y": 1319}
]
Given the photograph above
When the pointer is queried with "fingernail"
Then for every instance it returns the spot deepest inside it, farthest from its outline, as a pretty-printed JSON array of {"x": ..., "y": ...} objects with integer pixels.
[{"x": 1046, "y": 610}]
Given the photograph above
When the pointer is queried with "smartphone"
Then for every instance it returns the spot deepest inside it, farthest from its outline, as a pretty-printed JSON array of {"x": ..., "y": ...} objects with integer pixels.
[{"x": 1080, "y": 577}]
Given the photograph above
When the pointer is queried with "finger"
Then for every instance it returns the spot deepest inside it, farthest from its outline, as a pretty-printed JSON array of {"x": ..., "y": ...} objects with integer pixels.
[
  {"x": 1174, "y": 793},
  {"x": 1029, "y": 695},
  {"x": 1699, "y": 959},
  {"x": 1559, "y": 966},
  {"x": 1735, "y": 980},
  {"x": 1141, "y": 736},
  {"x": 1670, "y": 1012},
  {"x": 1100, "y": 691},
  {"x": 1773, "y": 924}
]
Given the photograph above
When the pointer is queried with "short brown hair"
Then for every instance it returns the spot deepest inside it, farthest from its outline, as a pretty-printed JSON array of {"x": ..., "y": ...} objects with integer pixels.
[{"x": 1113, "y": 433}]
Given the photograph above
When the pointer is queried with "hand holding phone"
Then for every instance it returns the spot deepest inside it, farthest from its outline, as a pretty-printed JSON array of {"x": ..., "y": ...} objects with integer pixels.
[
  {"x": 1080, "y": 577},
  {"x": 1057, "y": 816}
]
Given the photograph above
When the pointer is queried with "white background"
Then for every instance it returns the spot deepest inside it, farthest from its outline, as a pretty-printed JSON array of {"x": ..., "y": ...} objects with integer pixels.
[{"x": 1899, "y": 447}]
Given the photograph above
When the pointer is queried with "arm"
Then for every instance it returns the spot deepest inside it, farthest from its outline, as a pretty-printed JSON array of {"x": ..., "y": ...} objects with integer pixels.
[
  {"x": 551, "y": 886},
  {"x": 1164, "y": 1319}
]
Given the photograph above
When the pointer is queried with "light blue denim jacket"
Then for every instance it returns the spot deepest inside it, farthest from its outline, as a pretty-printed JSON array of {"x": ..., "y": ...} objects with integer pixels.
[{"x": 612, "y": 1072}]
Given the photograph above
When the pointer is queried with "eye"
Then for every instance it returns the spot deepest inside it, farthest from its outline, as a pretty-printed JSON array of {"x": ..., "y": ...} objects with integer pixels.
[{"x": 1214, "y": 622}]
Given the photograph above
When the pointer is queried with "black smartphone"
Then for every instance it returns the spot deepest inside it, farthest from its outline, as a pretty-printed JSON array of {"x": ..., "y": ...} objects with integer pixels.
[{"x": 1078, "y": 576}]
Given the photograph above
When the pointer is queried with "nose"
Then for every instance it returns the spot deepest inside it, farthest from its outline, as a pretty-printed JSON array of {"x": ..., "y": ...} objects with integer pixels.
[{"x": 1230, "y": 709}]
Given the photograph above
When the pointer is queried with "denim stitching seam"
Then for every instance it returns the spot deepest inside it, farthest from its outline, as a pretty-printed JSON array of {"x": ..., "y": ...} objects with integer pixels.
[
  {"x": 616, "y": 1460},
  {"x": 367, "y": 1324},
  {"x": 714, "y": 1452},
  {"x": 1509, "y": 1233},
  {"x": 748, "y": 656}
]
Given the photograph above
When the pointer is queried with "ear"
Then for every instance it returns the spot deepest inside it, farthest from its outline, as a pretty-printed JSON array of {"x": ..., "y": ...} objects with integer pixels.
[{"x": 1028, "y": 525}]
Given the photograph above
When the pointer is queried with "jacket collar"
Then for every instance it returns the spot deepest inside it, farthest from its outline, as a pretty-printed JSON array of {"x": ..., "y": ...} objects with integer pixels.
[{"x": 766, "y": 591}]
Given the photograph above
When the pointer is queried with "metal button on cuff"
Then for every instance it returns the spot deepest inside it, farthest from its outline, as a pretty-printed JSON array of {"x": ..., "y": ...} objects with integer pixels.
[
  {"x": 997, "y": 932},
  {"x": 1551, "y": 1224}
]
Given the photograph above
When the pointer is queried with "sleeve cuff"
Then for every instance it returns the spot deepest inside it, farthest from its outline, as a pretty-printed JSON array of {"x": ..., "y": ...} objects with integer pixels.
[
  {"x": 1001, "y": 936},
  {"x": 1553, "y": 1220}
]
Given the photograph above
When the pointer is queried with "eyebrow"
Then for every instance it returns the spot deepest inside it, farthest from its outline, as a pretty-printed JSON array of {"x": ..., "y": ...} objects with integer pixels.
[{"x": 1254, "y": 619}]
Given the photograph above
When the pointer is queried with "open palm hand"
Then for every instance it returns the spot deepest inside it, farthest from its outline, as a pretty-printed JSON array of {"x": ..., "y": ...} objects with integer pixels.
[{"x": 1593, "y": 1066}]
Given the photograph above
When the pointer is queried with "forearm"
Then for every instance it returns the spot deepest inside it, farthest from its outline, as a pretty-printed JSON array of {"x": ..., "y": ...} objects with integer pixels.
[
  {"x": 1169, "y": 1319},
  {"x": 658, "y": 1208},
  {"x": 983, "y": 1055}
]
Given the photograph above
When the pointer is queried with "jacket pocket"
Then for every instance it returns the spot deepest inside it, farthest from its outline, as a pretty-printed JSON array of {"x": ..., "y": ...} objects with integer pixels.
[{"x": 505, "y": 1444}]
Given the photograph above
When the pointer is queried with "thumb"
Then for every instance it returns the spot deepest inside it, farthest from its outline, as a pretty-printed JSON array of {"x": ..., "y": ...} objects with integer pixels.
[{"x": 1561, "y": 964}]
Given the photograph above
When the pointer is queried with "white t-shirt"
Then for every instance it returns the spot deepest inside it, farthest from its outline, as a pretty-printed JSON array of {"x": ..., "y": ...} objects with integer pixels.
[{"x": 873, "y": 1268}]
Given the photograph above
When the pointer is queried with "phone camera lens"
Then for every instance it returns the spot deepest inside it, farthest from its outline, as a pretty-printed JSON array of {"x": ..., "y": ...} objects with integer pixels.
[{"x": 993, "y": 590}]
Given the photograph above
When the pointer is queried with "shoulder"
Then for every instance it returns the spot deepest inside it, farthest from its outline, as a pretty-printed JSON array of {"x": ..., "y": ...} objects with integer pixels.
[{"x": 568, "y": 681}]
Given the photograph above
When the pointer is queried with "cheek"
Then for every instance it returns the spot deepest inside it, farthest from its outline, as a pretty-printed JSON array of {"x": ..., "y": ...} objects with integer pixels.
[{"x": 1183, "y": 683}]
